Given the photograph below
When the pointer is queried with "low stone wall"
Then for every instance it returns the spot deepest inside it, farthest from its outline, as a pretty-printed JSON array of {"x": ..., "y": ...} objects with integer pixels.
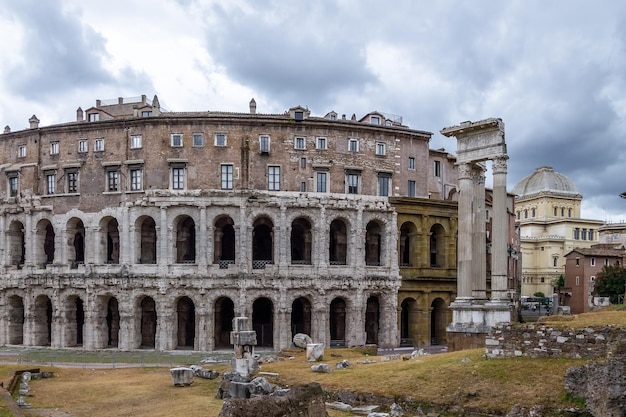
[{"x": 538, "y": 340}]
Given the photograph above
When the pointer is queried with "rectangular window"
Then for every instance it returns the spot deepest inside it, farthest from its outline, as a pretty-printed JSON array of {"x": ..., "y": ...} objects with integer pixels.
[
  {"x": 576, "y": 233},
  {"x": 82, "y": 146},
  {"x": 21, "y": 151},
  {"x": 54, "y": 148},
  {"x": 136, "y": 176},
  {"x": 227, "y": 176},
  {"x": 577, "y": 280},
  {"x": 303, "y": 163},
  {"x": 321, "y": 143},
  {"x": 178, "y": 178},
  {"x": 554, "y": 261},
  {"x": 298, "y": 115},
  {"x": 220, "y": 139},
  {"x": 300, "y": 143},
  {"x": 321, "y": 179},
  {"x": 592, "y": 262},
  {"x": 51, "y": 182},
  {"x": 264, "y": 143},
  {"x": 197, "y": 140},
  {"x": 13, "y": 185},
  {"x": 411, "y": 189},
  {"x": 590, "y": 234},
  {"x": 177, "y": 140},
  {"x": 555, "y": 212},
  {"x": 606, "y": 261},
  {"x": 380, "y": 148},
  {"x": 93, "y": 117},
  {"x": 411, "y": 163},
  {"x": 146, "y": 113},
  {"x": 383, "y": 185},
  {"x": 98, "y": 145},
  {"x": 72, "y": 181},
  {"x": 577, "y": 261},
  {"x": 375, "y": 120},
  {"x": 584, "y": 234},
  {"x": 303, "y": 187},
  {"x": 135, "y": 142},
  {"x": 437, "y": 168},
  {"x": 353, "y": 183},
  {"x": 353, "y": 145},
  {"x": 273, "y": 178},
  {"x": 113, "y": 180}
]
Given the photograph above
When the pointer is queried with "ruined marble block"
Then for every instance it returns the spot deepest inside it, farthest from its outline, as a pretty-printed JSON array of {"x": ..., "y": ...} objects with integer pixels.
[
  {"x": 314, "y": 352},
  {"x": 181, "y": 376},
  {"x": 243, "y": 338}
]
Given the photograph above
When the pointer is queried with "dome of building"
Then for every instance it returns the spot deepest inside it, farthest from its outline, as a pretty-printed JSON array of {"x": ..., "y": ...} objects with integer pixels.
[{"x": 545, "y": 181}]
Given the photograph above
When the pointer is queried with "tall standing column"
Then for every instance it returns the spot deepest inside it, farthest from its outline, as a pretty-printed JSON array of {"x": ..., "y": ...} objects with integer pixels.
[
  {"x": 479, "y": 234},
  {"x": 164, "y": 253},
  {"x": 499, "y": 231},
  {"x": 466, "y": 197}
]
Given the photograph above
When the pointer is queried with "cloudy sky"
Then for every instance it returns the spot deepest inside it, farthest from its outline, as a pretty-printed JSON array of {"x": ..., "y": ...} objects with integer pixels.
[{"x": 554, "y": 71}]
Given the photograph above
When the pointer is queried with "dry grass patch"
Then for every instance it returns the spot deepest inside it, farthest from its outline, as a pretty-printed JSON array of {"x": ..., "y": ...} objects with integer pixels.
[{"x": 592, "y": 319}]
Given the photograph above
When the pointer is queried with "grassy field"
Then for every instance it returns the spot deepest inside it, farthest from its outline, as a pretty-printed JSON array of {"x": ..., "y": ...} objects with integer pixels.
[{"x": 464, "y": 378}]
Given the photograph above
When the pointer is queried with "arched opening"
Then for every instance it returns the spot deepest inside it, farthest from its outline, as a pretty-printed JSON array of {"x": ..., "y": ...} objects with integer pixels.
[
  {"x": 43, "y": 321},
  {"x": 147, "y": 240},
  {"x": 262, "y": 243},
  {"x": 148, "y": 323},
  {"x": 301, "y": 316},
  {"x": 17, "y": 248},
  {"x": 372, "y": 318},
  {"x": 337, "y": 323},
  {"x": 224, "y": 242},
  {"x": 16, "y": 320},
  {"x": 74, "y": 321},
  {"x": 438, "y": 322},
  {"x": 112, "y": 323},
  {"x": 112, "y": 242},
  {"x": 185, "y": 240},
  {"x": 437, "y": 246},
  {"x": 408, "y": 322},
  {"x": 44, "y": 243},
  {"x": 338, "y": 243},
  {"x": 223, "y": 321},
  {"x": 373, "y": 244},
  {"x": 76, "y": 242},
  {"x": 186, "y": 323},
  {"x": 263, "y": 321},
  {"x": 301, "y": 241},
  {"x": 408, "y": 233}
]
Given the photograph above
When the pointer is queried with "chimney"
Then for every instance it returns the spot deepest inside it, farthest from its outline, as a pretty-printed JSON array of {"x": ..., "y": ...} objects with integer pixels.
[
  {"x": 98, "y": 104},
  {"x": 34, "y": 122},
  {"x": 79, "y": 115},
  {"x": 7, "y": 129},
  {"x": 120, "y": 100},
  {"x": 143, "y": 99},
  {"x": 252, "y": 106}
]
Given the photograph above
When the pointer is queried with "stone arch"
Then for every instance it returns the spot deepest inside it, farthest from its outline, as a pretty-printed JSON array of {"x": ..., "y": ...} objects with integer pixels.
[
  {"x": 17, "y": 243},
  {"x": 263, "y": 321},
  {"x": 186, "y": 326},
  {"x": 437, "y": 246},
  {"x": 408, "y": 243},
  {"x": 112, "y": 322},
  {"x": 372, "y": 320},
  {"x": 224, "y": 241},
  {"x": 185, "y": 229},
  {"x": 44, "y": 247},
  {"x": 223, "y": 316},
  {"x": 146, "y": 240},
  {"x": 438, "y": 322},
  {"x": 74, "y": 321},
  {"x": 16, "y": 320},
  {"x": 301, "y": 241},
  {"x": 109, "y": 240},
  {"x": 408, "y": 322},
  {"x": 373, "y": 243},
  {"x": 147, "y": 323},
  {"x": 301, "y": 316},
  {"x": 337, "y": 322},
  {"x": 338, "y": 242},
  {"x": 42, "y": 319},
  {"x": 75, "y": 231},
  {"x": 262, "y": 242}
]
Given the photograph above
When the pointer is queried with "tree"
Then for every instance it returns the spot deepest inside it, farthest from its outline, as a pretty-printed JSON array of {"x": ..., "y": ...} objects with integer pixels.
[
  {"x": 610, "y": 282},
  {"x": 539, "y": 294}
]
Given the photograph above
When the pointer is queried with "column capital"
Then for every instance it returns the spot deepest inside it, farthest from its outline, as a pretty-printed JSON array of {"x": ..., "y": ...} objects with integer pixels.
[
  {"x": 499, "y": 164},
  {"x": 465, "y": 171}
]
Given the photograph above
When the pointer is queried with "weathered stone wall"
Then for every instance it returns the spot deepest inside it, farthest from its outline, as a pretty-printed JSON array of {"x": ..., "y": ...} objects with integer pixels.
[{"x": 537, "y": 340}]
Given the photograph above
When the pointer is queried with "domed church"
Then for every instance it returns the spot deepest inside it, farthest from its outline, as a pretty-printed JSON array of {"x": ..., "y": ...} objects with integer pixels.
[{"x": 547, "y": 206}]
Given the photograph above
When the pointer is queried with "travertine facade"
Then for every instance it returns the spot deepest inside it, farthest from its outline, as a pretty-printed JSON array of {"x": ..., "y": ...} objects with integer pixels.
[{"x": 136, "y": 228}]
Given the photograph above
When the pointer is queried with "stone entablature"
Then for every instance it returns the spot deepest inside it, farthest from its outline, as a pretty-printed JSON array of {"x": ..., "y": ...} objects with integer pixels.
[{"x": 538, "y": 341}]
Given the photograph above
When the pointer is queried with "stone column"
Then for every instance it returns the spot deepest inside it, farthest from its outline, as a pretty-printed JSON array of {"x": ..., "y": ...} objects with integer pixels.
[
  {"x": 28, "y": 240},
  {"x": 3, "y": 238},
  {"x": 128, "y": 336},
  {"x": 499, "y": 231},
  {"x": 357, "y": 242},
  {"x": 319, "y": 255},
  {"x": 127, "y": 249},
  {"x": 167, "y": 326},
  {"x": 164, "y": 252},
  {"x": 203, "y": 241},
  {"x": 464, "y": 249},
  {"x": 479, "y": 234}
]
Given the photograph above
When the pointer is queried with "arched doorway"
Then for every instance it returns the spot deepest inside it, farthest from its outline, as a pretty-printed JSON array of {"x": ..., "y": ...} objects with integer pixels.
[
  {"x": 438, "y": 322},
  {"x": 373, "y": 244},
  {"x": 146, "y": 236},
  {"x": 185, "y": 240},
  {"x": 408, "y": 322},
  {"x": 74, "y": 321},
  {"x": 437, "y": 246},
  {"x": 223, "y": 321},
  {"x": 43, "y": 321},
  {"x": 16, "y": 320},
  {"x": 338, "y": 243},
  {"x": 75, "y": 242},
  {"x": 224, "y": 242},
  {"x": 186, "y": 323},
  {"x": 148, "y": 323},
  {"x": 17, "y": 247},
  {"x": 263, "y": 321},
  {"x": 44, "y": 243},
  {"x": 262, "y": 243},
  {"x": 337, "y": 323},
  {"x": 408, "y": 233},
  {"x": 372, "y": 318},
  {"x": 112, "y": 322},
  {"x": 112, "y": 242},
  {"x": 301, "y": 316},
  {"x": 301, "y": 241}
]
